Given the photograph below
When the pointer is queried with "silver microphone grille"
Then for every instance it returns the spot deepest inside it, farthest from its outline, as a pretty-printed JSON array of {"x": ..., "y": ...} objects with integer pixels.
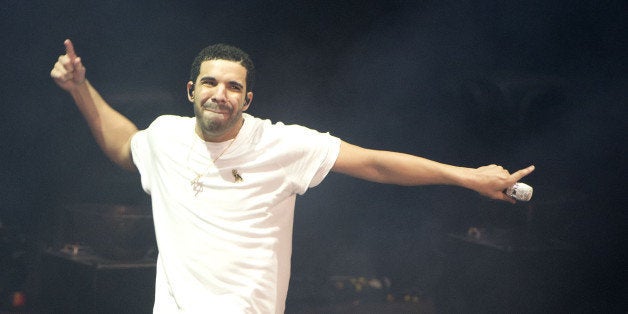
[{"x": 520, "y": 191}]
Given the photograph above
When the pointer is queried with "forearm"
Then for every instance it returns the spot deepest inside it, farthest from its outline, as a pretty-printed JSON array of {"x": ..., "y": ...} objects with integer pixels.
[{"x": 111, "y": 130}]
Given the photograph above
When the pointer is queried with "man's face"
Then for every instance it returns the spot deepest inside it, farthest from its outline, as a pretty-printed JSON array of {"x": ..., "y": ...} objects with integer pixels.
[{"x": 219, "y": 99}]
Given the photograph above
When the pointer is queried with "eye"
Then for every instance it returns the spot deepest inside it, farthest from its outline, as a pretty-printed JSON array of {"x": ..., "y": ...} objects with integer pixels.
[
  {"x": 208, "y": 82},
  {"x": 236, "y": 86}
]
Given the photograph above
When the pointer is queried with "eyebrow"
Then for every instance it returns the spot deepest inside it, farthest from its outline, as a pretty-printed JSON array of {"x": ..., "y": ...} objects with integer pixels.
[{"x": 211, "y": 78}]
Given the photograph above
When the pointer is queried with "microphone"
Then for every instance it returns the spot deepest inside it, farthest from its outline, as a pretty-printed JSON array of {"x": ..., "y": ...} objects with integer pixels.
[{"x": 520, "y": 191}]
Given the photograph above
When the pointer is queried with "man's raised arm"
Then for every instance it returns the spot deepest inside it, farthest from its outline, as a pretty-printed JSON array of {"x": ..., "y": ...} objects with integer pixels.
[
  {"x": 404, "y": 169},
  {"x": 112, "y": 130}
]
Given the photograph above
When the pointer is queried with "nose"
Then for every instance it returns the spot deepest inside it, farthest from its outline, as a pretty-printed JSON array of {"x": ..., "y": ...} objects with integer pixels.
[{"x": 219, "y": 95}]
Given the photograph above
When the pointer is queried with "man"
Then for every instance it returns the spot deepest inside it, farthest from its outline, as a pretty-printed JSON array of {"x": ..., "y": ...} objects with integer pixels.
[{"x": 223, "y": 184}]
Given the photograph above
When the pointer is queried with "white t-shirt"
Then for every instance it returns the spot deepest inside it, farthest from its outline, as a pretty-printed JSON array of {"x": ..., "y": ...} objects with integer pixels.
[{"x": 227, "y": 248}]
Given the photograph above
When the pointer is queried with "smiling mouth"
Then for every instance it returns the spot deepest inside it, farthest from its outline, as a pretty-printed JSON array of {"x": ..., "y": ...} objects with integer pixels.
[{"x": 217, "y": 109}]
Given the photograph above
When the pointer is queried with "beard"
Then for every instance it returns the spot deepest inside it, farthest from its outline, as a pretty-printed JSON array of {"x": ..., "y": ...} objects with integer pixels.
[{"x": 213, "y": 124}]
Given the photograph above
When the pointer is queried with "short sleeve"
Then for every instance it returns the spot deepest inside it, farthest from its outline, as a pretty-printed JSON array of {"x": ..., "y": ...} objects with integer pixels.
[
  {"x": 315, "y": 154},
  {"x": 140, "y": 150}
]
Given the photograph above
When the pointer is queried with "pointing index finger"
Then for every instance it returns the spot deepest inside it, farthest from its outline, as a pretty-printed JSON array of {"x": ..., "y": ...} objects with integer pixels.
[
  {"x": 522, "y": 173},
  {"x": 69, "y": 49}
]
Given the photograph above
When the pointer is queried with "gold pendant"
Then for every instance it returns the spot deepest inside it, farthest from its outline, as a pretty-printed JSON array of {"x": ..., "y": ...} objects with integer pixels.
[{"x": 236, "y": 176}]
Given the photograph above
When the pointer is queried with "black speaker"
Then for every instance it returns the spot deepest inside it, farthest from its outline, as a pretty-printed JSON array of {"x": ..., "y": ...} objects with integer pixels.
[{"x": 82, "y": 282}]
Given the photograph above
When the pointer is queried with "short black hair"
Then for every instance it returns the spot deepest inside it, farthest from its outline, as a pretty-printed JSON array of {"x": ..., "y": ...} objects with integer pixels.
[{"x": 224, "y": 52}]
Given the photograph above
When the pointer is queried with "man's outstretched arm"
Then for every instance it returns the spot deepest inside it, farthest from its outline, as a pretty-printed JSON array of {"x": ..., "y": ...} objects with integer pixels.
[
  {"x": 404, "y": 169},
  {"x": 112, "y": 130}
]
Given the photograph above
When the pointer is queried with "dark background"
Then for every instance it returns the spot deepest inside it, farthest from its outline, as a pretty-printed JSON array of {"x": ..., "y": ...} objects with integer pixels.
[{"x": 462, "y": 82}]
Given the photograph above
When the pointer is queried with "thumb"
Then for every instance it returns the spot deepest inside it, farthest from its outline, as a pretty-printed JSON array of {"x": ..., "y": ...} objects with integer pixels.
[
  {"x": 79, "y": 70},
  {"x": 500, "y": 196}
]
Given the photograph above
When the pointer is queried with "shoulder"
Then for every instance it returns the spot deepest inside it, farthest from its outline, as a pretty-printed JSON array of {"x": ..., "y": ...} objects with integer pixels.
[
  {"x": 281, "y": 128},
  {"x": 166, "y": 128},
  {"x": 170, "y": 120},
  {"x": 170, "y": 125},
  {"x": 286, "y": 137}
]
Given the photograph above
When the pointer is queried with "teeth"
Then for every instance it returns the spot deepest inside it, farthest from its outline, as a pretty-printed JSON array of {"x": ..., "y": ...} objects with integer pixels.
[
  {"x": 216, "y": 108},
  {"x": 218, "y": 111}
]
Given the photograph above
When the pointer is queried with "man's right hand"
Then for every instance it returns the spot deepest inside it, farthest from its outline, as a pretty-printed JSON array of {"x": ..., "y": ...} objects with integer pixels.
[{"x": 68, "y": 72}]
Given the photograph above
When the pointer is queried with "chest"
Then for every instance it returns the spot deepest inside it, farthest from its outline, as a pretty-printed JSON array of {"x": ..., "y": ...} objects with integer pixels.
[{"x": 245, "y": 178}]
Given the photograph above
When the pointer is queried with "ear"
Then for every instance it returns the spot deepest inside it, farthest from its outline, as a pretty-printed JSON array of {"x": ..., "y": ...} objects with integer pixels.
[
  {"x": 190, "y": 89},
  {"x": 247, "y": 101}
]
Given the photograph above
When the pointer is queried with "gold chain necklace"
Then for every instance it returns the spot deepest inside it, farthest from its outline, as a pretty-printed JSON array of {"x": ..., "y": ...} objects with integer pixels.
[{"x": 197, "y": 187}]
